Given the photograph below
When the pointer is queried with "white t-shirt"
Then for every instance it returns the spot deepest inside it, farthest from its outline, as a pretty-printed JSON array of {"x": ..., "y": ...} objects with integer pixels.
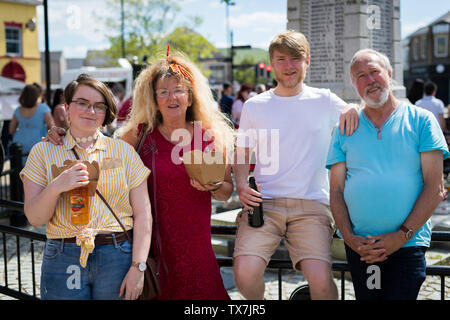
[
  {"x": 291, "y": 136},
  {"x": 430, "y": 103}
]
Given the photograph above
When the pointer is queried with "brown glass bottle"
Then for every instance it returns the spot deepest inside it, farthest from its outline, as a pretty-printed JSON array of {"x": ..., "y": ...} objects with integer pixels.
[{"x": 256, "y": 215}]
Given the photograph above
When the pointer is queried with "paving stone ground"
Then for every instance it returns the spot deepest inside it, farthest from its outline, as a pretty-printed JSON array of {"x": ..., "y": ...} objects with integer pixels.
[{"x": 430, "y": 289}]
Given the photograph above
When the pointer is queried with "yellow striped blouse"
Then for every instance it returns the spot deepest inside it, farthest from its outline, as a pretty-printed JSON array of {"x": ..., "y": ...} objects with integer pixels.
[{"x": 114, "y": 184}]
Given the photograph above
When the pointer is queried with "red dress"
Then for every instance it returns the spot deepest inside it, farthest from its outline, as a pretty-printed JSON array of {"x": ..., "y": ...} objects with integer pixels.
[{"x": 188, "y": 269}]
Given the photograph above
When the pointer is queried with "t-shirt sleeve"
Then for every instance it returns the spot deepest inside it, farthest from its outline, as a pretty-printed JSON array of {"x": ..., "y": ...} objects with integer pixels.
[
  {"x": 35, "y": 168},
  {"x": 441, "y": 108},
  {"x": 136, "y": 171},
  {"x": 431, "y": 136},
  {"x": 335, "y": 152},
  {"x": 246, "y": 136},
  {"x": 45, "y": 108},
  {"x": 336, "y": 106}
]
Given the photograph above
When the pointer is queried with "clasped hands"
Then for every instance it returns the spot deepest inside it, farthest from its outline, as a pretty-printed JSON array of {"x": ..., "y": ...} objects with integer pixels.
[{"x": 376, "y": 248}]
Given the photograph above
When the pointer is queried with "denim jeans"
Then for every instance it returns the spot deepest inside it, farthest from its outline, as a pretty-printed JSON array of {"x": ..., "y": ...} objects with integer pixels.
[
  {"x": 397, "y": 278},
  {"x": 63, "y": 278}
]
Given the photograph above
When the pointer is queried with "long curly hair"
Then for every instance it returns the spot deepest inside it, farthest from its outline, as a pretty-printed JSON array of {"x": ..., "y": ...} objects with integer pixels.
[{"x": 203, "y": 109}]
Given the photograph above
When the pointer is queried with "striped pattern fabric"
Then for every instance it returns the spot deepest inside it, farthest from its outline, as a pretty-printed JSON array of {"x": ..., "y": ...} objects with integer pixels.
[{"x": 121, "y": 170}]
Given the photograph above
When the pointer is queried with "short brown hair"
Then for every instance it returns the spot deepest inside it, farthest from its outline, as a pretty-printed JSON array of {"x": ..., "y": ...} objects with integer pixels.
[
  {"x": 290, "y": 42},
  {"x": 87, "y": 80},
  {"x": 29, "y": 96}
]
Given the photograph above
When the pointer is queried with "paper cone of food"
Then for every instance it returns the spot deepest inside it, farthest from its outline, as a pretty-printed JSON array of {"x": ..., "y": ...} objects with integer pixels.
[
  {"x": 206, "y": 167},
  {"x": 92, "y": 168}
]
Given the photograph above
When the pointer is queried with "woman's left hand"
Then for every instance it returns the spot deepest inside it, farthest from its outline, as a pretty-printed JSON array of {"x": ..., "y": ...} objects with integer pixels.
[
  {"x": 132, "y": 284},
  {"x": 203, "y": 187}
]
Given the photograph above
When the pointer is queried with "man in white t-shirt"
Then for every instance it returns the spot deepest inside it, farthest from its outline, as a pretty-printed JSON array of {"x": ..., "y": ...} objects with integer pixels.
[
  {"x": 289, "y": 128},
  {"x": 433, "y": 104}
]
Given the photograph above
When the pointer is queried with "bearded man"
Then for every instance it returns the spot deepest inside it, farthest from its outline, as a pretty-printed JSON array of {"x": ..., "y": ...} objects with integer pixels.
[
  {"x": 385, "y": 183},
  {"x": 295, "y": 122}
]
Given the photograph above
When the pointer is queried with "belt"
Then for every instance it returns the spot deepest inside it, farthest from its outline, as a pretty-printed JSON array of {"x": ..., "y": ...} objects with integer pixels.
[{"x": 106, "y": 238}]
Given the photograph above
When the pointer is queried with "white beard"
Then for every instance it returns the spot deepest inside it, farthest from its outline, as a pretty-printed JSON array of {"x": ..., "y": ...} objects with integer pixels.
[{"x": 384, "y": 95}]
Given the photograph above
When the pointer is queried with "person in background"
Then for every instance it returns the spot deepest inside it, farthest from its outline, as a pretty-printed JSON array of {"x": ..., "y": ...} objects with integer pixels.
[
  {"x": 260, "y": 88},
  {"x": 241, "y": 97},
  {"x": 30, "y": 119},
  {"x": 124, "y": 111},
  {"x": 415, "y": 92},
  {"x": 226, "y": 101},
  {"x": 58, "y": 110},
  {"x": 42, "y": 102},
  {"x": 433, "y": 104}
]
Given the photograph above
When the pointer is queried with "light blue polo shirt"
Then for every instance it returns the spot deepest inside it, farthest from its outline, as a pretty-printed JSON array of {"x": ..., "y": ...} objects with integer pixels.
[{"x": 384, "y": 175}]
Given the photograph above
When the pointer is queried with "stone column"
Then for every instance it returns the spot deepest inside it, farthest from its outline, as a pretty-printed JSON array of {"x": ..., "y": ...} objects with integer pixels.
[{"x": 336, "y": 29}]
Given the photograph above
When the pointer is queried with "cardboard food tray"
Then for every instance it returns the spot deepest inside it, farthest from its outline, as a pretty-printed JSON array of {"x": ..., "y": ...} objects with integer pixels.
[{"x": 206, "y": 167}]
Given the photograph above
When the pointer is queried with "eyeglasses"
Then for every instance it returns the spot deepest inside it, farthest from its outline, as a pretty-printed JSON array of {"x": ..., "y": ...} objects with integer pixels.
[
  {"x": 177, "y": 92},
  {"x": 84, "y": 105}
]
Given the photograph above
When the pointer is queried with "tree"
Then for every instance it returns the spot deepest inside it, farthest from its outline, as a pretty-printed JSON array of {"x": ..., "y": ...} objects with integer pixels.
[
  {"x": 194, "y": 45},
  {"x": 147, "y": 25},
  {"x": 146, "y": 22}
]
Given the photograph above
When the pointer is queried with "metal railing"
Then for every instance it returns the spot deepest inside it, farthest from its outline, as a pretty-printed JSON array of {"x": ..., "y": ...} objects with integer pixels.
[
  {"x": 7, "y": 288},
  {"x": 342, "y": 267}
]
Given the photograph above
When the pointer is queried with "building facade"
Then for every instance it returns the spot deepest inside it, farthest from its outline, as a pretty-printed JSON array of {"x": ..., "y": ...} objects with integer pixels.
[
  {"x": 19, "y": 48},
  {"x": 429, "y": 56}
]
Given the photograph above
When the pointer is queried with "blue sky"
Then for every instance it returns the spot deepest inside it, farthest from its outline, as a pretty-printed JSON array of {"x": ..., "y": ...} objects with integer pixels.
[{"x": 74, "y": 30}]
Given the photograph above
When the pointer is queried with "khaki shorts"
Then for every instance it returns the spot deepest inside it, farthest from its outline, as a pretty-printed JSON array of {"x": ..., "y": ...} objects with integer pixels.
[{"x": 307, "y": 225}]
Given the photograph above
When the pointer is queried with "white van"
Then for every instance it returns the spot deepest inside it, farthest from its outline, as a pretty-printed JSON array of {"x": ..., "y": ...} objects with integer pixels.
[{"x": 122, "y": 75}]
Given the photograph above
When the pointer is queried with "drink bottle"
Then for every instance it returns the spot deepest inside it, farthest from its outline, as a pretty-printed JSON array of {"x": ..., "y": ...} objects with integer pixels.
[
  {"x": 255, "y": 216},
  {"x": 79, "y": 205}
]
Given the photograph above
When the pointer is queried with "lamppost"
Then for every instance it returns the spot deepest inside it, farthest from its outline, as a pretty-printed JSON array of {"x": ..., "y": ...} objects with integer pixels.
[
  {"x": 47, "y": 55},
  {"x": 122, "y": 18},
  {"x": 229, "y": 36}
]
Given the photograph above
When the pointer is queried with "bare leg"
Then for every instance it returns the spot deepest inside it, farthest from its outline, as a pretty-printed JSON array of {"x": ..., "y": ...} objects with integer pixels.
[
  {"x": 249, "y": 276},
  {"x": 320, "y": 280}
]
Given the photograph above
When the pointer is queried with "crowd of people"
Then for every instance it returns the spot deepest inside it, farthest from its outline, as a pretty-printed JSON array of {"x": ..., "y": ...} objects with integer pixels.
[{"x": 338, "y": 167}]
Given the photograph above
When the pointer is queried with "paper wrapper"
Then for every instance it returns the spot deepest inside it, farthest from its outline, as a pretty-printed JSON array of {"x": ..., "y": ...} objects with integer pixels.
[
  {"x": 93, "y": 169},
  {"x": 206, "y": 167}
]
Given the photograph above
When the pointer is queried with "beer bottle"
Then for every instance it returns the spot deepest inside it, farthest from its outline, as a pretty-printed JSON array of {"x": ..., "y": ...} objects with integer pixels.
[{"x": 255, "y": 216}]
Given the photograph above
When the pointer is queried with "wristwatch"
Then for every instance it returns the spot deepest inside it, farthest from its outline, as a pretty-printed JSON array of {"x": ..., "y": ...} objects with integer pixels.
[
  {"x": 408, "y": 232},
  {"x": 142, "y": 266}
]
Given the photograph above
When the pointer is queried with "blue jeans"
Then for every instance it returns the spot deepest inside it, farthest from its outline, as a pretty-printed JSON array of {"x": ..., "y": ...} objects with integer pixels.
[
  {"x": 397, "y": 278},
  {"x": 63, "y": 278}
]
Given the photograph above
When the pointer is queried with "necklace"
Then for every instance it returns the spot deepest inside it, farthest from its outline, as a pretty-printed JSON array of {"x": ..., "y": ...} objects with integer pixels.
[{"x": 86, "y": 139}]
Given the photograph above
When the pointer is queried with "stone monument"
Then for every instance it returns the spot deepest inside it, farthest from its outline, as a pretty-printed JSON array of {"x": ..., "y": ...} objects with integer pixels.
[{"x": 336, "y": 29}]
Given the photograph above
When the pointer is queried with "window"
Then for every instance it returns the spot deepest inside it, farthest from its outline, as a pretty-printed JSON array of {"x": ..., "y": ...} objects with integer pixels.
[
  {"x": 440, "y": 46},
  {"x": 423, "y": 48},
  {"x": 13, "y": 37},
  {"x": 415, "y": 49}
]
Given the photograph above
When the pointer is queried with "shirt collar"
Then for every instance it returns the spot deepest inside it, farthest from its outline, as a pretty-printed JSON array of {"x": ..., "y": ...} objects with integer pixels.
[{"x": 69, "y": 142}]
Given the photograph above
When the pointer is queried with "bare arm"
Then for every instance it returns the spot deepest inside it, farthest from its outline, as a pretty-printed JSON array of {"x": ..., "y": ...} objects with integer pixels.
[
  {"x": 340, "y": 210},
  {"x": 442, "y": 122},
  {"x": 133, "y": 282},
  {"x": 40, "y": 202},
  {"x": 241, "y": 168},
  {"x": 220, "y": 193},
  {"x": 348, "y": 120},
  {"x": 48, "y": 119},
  {"x": 130, "y": 137}
]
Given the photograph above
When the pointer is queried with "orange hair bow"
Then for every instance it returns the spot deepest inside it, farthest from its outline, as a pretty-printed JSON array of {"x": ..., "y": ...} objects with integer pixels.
[{"x": 178, "y": 68}]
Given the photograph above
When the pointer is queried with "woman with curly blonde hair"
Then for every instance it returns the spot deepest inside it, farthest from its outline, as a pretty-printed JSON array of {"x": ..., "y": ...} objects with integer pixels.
[{"x": 173, "y": 105}]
